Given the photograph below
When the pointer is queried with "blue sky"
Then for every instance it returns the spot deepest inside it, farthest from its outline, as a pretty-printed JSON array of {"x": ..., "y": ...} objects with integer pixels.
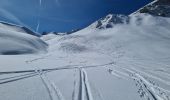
[{"x": 63, "y": 15}]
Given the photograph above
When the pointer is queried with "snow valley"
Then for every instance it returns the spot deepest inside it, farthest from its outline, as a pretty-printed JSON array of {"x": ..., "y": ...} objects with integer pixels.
[{"x": 117, "y": 57}]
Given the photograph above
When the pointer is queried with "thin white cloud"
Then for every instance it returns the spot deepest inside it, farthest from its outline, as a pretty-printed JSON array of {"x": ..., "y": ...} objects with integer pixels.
[
  {"x": 40, "y": 1},
  {"x": 8, "y": 15},
  {"x": 38, "y": 25}
]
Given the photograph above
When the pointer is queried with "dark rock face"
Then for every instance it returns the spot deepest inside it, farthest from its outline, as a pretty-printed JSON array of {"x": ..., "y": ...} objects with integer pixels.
[
  {"x": 157, "y": 8},
  {"x": 110, "y": 20},
  {"x": 163, "y": 2}
]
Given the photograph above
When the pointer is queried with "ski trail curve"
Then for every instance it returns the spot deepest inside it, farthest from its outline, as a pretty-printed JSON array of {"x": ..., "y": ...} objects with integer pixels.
[
  {"x": 57, "y": 91},
  {"x": 147, "y": 89},
  {"x": 52, "y": 89},
  {"x": 96, "y": 90},
  {"x": 87, "y": 85}
]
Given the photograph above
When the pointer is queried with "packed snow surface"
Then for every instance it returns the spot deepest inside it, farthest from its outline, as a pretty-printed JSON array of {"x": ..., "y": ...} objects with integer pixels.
[{"x": 130, "y": 61}]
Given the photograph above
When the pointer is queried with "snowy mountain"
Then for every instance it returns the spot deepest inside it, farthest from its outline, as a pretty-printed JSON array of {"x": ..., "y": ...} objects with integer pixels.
[
  {"x": 130, "y": 60},
  {"x": 106, "y": 22},
  {"x": 18, "y": 28},
  {"x": 17, "y": 40},
  {"x": 116, "y": 58},
  {"x": 157, "y": 8},
  {"x": 109, "y": 21}
]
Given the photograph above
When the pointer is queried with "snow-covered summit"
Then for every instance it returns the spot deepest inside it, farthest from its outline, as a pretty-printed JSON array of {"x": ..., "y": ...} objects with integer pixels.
[{"x": 109, "y": 21}]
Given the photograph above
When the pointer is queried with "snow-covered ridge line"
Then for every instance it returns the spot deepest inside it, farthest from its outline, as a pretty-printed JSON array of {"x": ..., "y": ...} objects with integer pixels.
[
  {"x": 143, "y": 7},
  {"x": 13, "y": 42},
  {"x": 156, "y": 8},
  {"x": 23, "y": 28},
  {"x": 109, "y": 21}
]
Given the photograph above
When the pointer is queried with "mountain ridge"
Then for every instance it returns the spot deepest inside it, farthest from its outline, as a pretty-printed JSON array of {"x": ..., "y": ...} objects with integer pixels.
[
  {"x": 156, "y": 8},
  {"x": 18, "y": 28}
]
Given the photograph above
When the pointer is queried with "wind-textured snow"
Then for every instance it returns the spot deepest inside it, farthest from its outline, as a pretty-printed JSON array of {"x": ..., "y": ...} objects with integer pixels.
[{"x": 130, "y": 61}]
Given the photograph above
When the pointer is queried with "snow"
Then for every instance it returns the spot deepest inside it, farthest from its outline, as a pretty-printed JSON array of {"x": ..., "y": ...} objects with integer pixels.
[
  {"x": 127, "y": 62},
  {"x": 14, "y": 41},
  {"x": 17, "y": 28}
]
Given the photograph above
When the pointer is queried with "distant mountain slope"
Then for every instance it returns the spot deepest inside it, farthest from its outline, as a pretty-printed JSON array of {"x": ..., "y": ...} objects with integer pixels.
[
  {"x": 16, "y": 40},
  {"x": 18, "y": 28},
  {"x": 157, "y": 8}
]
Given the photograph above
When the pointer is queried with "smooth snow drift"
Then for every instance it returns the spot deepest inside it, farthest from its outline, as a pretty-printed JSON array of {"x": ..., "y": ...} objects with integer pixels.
[
  {"x": 18, "y": 28},
  {"x": 14, "y": 40}
]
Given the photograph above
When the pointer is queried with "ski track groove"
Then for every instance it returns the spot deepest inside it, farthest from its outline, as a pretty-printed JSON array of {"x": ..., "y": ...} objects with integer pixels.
[
  {"x": 84, "y": 86},
  {"x": 58, "y": 68},
  {"x": 80, "y": 86},
  {"x": 87, "y": 85},
  {"x": 152, "y": 76},
  {"x": 47, "y": 87},
  {"x": 16, "y": 78},
  {"x": 149, "y": 75},
  {"x": 36, "y": 59},
  {"x": 57, "y": 91},
  {"x": 54, "y": 92},
  {"x": 97, "y": 92},
  {"x": 74, "y": 86},
  {"x": 155, "y": 92}
]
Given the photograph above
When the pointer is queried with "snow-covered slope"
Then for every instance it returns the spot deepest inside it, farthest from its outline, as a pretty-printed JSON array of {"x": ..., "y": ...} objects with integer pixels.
[
  {"x": 14, "y": 40},
  {"x": 140, "y": 27},
  {"x": 128, "y": 61},
  {"x": 157, "y": 8},
  {"x": 17, "y": 28},
  {"x": 137, "y": 50}
]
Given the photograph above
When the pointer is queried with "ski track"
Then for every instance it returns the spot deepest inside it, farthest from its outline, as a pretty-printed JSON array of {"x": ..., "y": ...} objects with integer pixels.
[
  {"x": 97, "y": 92},
  {"x": 87, "y": 85},
  {"x": 147, "y": 89},
  {"x": 147, "y": 74},
  {"x": 54, "y": 92},
  {"x": 84, "y": 86},
  {"x": 36, "y": 59},
  {"x": 74, "y": 97},
  {"x": 57, "y": 68},
  {"x": 16, "y": 78}
]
